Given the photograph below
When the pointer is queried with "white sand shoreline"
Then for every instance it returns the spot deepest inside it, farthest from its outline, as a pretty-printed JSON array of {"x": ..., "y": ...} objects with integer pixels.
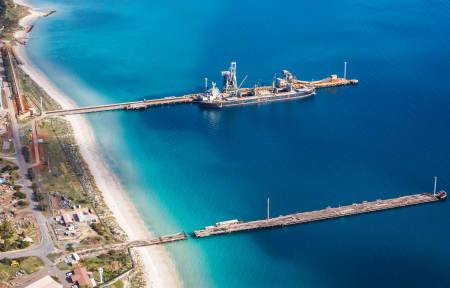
[{"x": 160, "y": 271}]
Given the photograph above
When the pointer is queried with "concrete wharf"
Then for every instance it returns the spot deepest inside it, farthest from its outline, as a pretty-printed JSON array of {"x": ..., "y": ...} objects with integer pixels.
[{"x": 327, "y": 213}]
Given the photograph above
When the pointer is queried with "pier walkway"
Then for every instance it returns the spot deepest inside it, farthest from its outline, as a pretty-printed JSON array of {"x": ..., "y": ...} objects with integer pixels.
[
  {"x": 132, "y": 244},
  {"x": 328, "y": 213}
]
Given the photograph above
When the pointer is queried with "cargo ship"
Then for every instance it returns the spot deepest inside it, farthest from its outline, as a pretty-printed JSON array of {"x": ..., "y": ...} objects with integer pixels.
[{"x": 285, "y": 88}]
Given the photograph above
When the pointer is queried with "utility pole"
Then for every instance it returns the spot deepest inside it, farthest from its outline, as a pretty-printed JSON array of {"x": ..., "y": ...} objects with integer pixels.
[
  {"x": 435, "y": 182},
  {"x": 268, "y": 215},
  {"x": 42, "y": 110},
  {"x": 345, "y": 70}
]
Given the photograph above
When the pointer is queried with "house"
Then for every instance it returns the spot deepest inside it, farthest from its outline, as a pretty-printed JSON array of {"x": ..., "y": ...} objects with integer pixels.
[
  {"x": 45, "y": 282},
  {"x": 81, "y": 277},
  {"x": 80, "y": 216},
  {"x": 67, "y": 218}
]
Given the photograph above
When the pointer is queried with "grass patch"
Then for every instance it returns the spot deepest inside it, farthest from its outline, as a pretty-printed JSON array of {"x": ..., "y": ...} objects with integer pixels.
[
  {"x": 114, "y": 263},
  {"x": 28, "y": 264},
  {"x": 62, "y": 266},
  {"x": 58, "y": 175},
  {"x": 53, "y": 256}
]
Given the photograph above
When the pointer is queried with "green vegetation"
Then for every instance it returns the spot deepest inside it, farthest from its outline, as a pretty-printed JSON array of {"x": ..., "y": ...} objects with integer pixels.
[
  {"x": 34, "y": 92},
  {"x": 28, "y": 264},
  {"x": 53, "y": 256},
  {"x": 61, "y": 176},
  {"x": 67, "y": 173},
  {"x": 56, "y": 279},
  {"x": 12, "y": 238},
  {"x": 19, "y": 195},
  {"x": 26, "y": 154},
  {"x": 100, "y": 229},
  {"x": 39, "y": 197},
  {"x": 23, "y": 204},
  {"x": 114, "y": 263},
  {"x": 70, "y": 248},
  {"x": 10, "y": 150},
  {"x": 10, "y": 13},
  {"x": 9, "y": 167},
  {"x": 30, "y": 174},
  {"x": 63, "y": 266}
]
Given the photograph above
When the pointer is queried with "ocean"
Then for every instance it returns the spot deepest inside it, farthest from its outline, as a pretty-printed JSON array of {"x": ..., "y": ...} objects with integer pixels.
[{"x": 186, "y": 167}]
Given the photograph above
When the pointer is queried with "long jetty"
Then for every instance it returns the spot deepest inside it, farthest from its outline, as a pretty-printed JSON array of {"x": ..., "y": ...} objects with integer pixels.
[
  {"x": 318, "y": 215},
  {"x": 190, "y": 98},
  {"x": 136, "y": 105}
]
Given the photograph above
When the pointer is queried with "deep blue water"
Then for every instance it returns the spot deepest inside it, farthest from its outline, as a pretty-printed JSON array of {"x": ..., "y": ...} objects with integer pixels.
[{"x": 187, "y": 167}]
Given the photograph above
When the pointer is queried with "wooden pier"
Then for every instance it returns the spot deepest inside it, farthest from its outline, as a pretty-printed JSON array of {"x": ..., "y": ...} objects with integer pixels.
[
  {"x": 159, "y": 240},
  {"x": 327, "y": 213}
]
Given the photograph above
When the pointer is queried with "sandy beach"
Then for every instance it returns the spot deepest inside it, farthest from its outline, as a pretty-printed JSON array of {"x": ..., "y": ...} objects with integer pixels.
[{"x": 159, "y": 268}]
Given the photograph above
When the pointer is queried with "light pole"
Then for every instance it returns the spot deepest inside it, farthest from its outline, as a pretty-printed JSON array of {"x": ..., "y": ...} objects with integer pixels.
[
  {"x": 435, "y": 182},
  {"x": 345, "y": 70}
]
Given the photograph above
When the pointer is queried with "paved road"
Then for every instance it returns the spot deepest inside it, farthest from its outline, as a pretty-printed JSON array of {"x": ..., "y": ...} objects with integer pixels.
[{"x": 46, "y": 244}]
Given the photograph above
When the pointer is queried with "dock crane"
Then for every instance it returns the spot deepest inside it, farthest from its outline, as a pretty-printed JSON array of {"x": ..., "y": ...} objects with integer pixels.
[
  {"x": 239, "y": 87},
  {"x": 242, "y": 82}
]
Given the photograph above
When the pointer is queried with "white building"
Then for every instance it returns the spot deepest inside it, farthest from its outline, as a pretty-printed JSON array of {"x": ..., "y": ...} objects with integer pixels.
[{"x": 46, "y": 282}]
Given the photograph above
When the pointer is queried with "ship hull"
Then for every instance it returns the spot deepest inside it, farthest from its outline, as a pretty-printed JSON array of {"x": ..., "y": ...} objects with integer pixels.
[{"x": 257, "y": 100}]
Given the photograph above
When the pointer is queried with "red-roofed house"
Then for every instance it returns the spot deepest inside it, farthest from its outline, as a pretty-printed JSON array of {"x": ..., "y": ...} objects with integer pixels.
[{"x": 81, "y": 277}]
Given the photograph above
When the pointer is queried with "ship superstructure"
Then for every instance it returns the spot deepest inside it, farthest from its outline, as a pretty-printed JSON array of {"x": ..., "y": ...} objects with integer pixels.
[{"x": 285, "y": 88}]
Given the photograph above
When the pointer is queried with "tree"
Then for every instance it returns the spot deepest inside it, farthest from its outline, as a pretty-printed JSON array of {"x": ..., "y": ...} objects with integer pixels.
[
  {"x": 6, "y": 229},
  {"x": 26, "y": 153},
  {"x": 19, "y": 195},
  {"x": 17, "y": 187},
  {"x": 22, "y": 203},
  {"x": 30, "y": 174}
]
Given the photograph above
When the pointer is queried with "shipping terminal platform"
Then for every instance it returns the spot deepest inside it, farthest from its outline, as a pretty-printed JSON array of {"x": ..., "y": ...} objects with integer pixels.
[{"x": 284, "y": 88}]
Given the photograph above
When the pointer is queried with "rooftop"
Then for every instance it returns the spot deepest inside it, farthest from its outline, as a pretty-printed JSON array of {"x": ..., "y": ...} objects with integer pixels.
[
  {"x": 80, "y": 276},
  {"x": 45, "y": 282}
]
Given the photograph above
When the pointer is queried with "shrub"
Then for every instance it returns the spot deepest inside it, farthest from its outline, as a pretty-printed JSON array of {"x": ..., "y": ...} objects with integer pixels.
[
  {"x": 7, "y": 168},
  {"x": 26, "y": 153},
  {"x": 19, "y": 195},
  {"x": 42, "y": 206},
  {"x": 30, "y": 174},
  {"x": 22, "y": 203},
  {"x": 17, "y": 187}
]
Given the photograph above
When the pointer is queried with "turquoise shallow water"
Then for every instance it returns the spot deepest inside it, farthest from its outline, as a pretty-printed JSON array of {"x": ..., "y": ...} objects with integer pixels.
[{"x": 185, "y": 167}]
